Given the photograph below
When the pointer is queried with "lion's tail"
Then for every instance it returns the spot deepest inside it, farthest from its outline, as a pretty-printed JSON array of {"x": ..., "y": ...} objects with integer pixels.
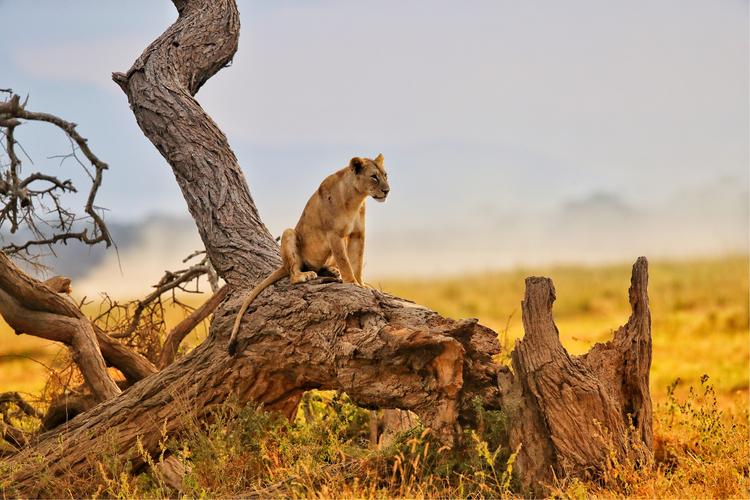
[{"x": 270, "y": 280}]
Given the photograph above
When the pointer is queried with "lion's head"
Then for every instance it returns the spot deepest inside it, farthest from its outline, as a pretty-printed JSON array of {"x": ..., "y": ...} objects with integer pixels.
[{"x": 371, "y": 177}]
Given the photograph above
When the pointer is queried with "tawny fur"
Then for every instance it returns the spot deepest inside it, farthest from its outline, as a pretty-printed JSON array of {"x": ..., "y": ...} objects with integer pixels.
[{"x": 330, "y": 235}]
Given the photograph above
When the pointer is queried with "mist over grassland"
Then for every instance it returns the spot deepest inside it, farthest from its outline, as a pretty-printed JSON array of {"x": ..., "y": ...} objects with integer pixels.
[{"x": 600, "y": 228}]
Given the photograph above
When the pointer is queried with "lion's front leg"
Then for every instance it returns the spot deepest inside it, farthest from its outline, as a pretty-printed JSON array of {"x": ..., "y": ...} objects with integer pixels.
[
  {"x": 356, "y": 253},
  {"x": 338, "y": 250}
]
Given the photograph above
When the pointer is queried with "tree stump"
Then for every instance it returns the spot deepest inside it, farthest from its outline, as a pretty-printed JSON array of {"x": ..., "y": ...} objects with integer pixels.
[{"x": 569, "y": 413}]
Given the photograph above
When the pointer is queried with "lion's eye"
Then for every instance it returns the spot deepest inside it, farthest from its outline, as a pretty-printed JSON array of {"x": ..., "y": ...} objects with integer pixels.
[{"x": 374, "y": 177}]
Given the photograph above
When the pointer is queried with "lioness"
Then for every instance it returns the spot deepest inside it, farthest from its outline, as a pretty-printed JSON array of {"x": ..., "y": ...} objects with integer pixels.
[{"x": 330, "y": 235}]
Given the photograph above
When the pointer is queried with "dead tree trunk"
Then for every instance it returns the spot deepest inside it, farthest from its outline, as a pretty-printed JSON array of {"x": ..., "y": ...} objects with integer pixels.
[
  {"x": 384, "y": 352},
  {"x": 32, "y": 307},
  {"x": 570, "y": 412}
]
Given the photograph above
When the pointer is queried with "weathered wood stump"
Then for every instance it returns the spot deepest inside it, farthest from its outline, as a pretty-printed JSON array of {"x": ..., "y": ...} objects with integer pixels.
[{"x": 569, "y": 413}]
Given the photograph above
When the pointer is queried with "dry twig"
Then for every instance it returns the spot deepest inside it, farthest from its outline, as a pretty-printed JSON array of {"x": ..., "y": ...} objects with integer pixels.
[{"x": 35, "y": 201}]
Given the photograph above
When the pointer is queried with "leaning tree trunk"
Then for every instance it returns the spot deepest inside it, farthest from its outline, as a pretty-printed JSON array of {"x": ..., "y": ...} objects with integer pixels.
[{"x": 384, "y": 352}]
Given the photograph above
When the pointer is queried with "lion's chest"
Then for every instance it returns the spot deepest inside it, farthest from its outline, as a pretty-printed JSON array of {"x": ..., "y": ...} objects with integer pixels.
[
  {"x": 349, "y": 227},
  {"x": 316, "y": 244}
]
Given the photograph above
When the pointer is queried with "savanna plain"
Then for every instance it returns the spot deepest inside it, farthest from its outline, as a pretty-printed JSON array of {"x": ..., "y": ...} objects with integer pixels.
[{"x": 699, "y": 386}]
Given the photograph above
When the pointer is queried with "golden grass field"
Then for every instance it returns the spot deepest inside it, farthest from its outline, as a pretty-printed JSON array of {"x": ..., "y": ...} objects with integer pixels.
[
  {"x": 699, "y": 312},
  {"x": 700, "y": 327}
]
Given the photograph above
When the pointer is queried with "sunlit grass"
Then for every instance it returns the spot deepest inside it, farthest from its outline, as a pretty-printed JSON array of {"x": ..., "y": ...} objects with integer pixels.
[
  {"x": 701, "y": 452},
  {"x": 700, "y": 326},
  {"x": 699, "y": 313}
]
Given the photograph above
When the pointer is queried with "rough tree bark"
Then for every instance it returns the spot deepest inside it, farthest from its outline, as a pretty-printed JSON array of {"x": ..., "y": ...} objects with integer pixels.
[
  {"x": 384, "y": 352},
  {"x": 570, "y": 412},
  {"x": 160, "y": 88}
]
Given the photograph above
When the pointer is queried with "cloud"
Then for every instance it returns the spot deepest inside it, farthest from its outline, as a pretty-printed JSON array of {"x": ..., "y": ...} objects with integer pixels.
[
  {"x": 86, "y": 62},
  {"x": 516, "y": 73},
  {"x": 527, "y": 74},
  {"x": 597, "y": 227}
]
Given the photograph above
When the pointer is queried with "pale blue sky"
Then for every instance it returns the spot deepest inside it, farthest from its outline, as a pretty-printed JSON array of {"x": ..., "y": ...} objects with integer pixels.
[{"x": 482, "y": 109}]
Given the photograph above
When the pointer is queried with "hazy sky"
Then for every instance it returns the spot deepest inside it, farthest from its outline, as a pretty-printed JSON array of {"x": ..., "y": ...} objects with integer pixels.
[{"x": 481, "y": 108}]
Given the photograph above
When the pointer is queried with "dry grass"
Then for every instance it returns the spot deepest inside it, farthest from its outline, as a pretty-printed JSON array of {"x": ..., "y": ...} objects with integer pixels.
[
  {"x": 699, "y": 313},
  {"x": 700, "y": 326},
  {"x": 702, "y": 452}
]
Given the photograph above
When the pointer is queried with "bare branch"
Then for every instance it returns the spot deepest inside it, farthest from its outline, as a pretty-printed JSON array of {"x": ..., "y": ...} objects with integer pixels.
[
  {"x": 66, "y": 185},
  {"x": 179, "y": 332},
  {"x": 20, "y": 199},
  {"x": 79, "y": 236},
  {"x": 171, "y": 281}
]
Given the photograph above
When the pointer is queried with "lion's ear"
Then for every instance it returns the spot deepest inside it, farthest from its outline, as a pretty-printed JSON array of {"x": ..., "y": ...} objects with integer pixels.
[
  {"x": 379, "y": 160},
  {"x": 356, "y": 164}
]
